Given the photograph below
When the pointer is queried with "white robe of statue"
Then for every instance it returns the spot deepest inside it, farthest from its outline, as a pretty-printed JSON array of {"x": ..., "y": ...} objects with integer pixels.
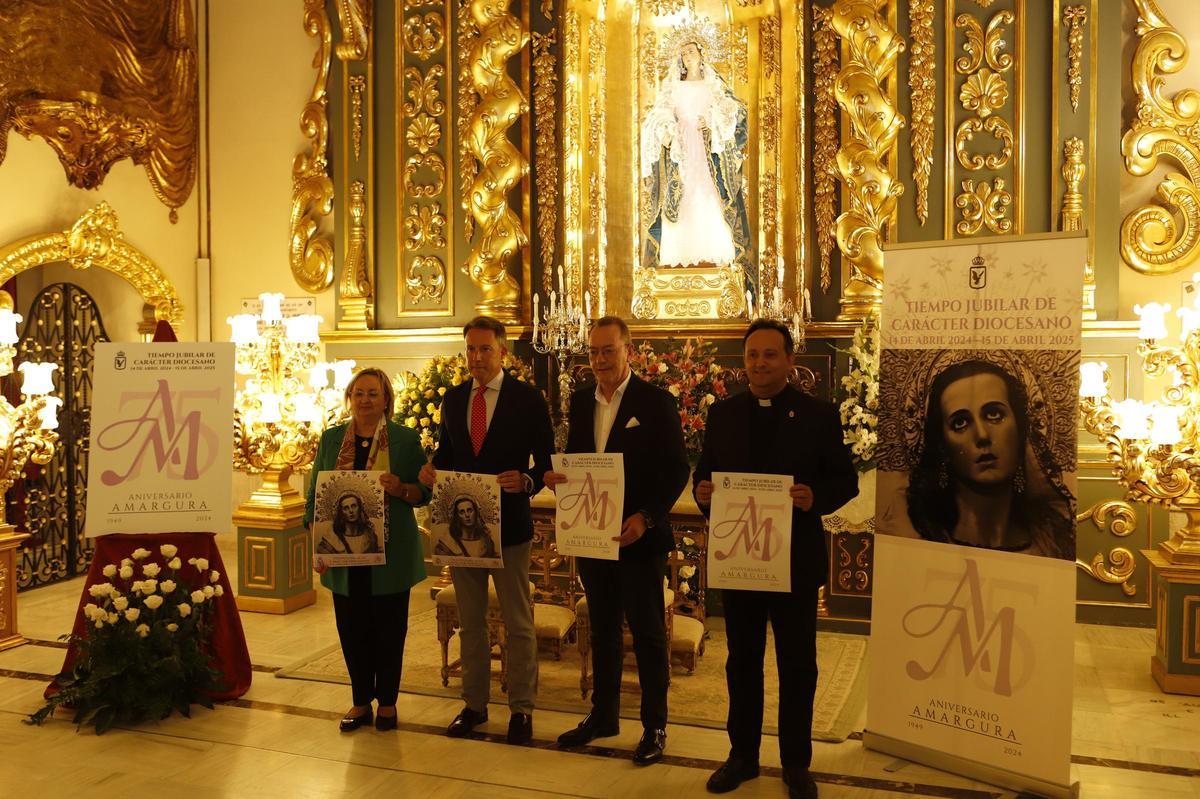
[{"x": 701, "y": 235}]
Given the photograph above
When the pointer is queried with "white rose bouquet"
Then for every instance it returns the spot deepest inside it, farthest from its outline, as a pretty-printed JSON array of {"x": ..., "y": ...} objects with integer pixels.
[
  {"x": 146, "y": 649},
  {"x": 860, "y": 389}
]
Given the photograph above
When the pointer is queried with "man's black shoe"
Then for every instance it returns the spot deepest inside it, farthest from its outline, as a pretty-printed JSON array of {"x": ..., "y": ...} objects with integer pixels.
[
  {"x": 520, "y": 728},
  {"x": 732, "y": 773},
  {"x": 588, "y": 729},
  {"x": 800, "y": 783},
  {"x": 465, "y": 721},
  {"x": 650, "y": 748}
]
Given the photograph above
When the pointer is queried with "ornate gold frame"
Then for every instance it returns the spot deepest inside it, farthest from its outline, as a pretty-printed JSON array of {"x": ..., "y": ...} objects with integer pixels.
[{"x": 96, "y": 240}]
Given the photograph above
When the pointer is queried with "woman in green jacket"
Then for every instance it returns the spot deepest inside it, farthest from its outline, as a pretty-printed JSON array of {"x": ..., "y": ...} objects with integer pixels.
[{"x": 370, "y": 603}]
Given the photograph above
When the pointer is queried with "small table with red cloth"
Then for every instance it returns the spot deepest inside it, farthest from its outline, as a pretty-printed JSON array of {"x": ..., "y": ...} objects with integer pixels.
[{"x": 229, "y": 652}]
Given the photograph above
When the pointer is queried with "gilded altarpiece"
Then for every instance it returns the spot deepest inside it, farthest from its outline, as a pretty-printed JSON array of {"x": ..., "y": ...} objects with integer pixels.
[{"x": 484, "y": 163}]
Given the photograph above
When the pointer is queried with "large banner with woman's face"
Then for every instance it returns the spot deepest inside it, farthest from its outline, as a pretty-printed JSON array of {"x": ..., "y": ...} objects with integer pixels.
[
  {"x": 979, "y": 394},
  {"x": 971, "y": 637}
]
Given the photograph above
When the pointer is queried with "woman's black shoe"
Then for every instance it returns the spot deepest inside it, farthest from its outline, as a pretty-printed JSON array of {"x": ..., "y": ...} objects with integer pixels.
[
  {"x": 384, "y": 723},
  {"x": 352, "y": 723}
]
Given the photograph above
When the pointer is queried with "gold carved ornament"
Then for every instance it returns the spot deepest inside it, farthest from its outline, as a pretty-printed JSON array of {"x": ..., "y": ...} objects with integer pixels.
[
  {"x": 1074, "y": 18},
  {"x": 923, "y": 90},
  {"x": 358, "y": 85},
  {"x": 501, "y": 166},
  {"x": 424, "y": 35},
  {"x": 983, "y": 93},
  {"x": 863, "y": 161},
  {"x": 825, "y": 136},
  {"x": 355, "y": 293},
  {"x": 423, "y": 91},
  {"x": 124, "y": 84},
  {"x": 983, "y": 204},
  {"x": 1072, "y": 174},
  {"x": 1152, "y": 240},
  {"x": 468, "y": 168},
  {"x": 96, "y": 240},
  {"x": 425, "y": 226},
  {"x": 310, "y": 255},
  {"x": 545, "y": 148},
  {"x": 426, "y": 277},
  {"x": 1121, "y": 520},
  {"x": 355, "y": 16}
]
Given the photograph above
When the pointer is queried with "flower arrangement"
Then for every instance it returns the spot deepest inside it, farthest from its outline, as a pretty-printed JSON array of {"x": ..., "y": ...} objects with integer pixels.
[
  {"x": 860, "y": 407},
  {"x": 419, "y": 397},
  {"x": 688, "y": 370},
  {"x": 145, "y": 652}
]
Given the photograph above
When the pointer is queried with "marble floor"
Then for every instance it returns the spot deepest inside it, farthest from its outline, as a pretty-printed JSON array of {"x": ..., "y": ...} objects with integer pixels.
[{"x": 281, "y": 740}]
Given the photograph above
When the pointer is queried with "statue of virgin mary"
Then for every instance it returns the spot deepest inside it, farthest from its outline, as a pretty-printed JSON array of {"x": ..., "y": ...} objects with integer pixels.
[{"x": 693, "y": 146}]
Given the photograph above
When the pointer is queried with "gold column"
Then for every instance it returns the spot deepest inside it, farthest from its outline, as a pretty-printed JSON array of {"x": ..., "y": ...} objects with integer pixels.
[
  {"x": 864, "y": 161},
  {"x": 502, "y": 166}
]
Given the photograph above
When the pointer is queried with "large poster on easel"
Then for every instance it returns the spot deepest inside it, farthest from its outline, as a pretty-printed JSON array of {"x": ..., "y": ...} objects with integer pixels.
[
  {"x": 972, "y": 611},
  {"x": 161, "y": 438}
]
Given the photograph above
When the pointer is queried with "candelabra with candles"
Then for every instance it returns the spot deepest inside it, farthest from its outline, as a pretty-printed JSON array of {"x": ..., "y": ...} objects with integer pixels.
[
  {"x": 774, "y": 306},
  {"x": 27, "y": 433},
  {"x": 279, "y": 414},
  {"x": 1154, "y": 450},
  {"x": 562, "y": 333}
]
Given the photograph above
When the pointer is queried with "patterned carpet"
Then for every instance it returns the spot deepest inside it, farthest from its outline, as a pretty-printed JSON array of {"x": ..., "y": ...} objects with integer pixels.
[{"x": 698, "y": 699}]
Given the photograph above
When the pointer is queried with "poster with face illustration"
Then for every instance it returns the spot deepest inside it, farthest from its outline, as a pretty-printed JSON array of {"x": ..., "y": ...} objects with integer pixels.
[
  {"x": 978, "y": 393},
  {"x": 349, "y": 524},
  {"x": 464, "y": 524}
]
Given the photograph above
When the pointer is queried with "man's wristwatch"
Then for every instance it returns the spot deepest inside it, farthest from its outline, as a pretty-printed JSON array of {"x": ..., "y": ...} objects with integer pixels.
[{"x": 646, "y": 518}]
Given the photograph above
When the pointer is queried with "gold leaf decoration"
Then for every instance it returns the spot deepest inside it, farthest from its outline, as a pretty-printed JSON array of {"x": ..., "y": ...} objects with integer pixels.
[
  {"x": 423, "y": 134},
  {"x": 999, "y": 130},
  {"x": 358, "y": 85},
  {"x": 1074, "y": 18},
  {"x": 310, "y": 255},
  {"x": 435, "y": 164},
  {"x": 423, "y": 91},
  {"x": 545, "y": 149},
  {"x": 825, "y": 136},
  {"x": 425, "y": 226},
  {"x": 983, "y": 204},
  {"x": 355, "y": 16},
  {"x": 426, "y": 278},
  {"x": 923, "y": 90},
  {"x": 984, "y": 92},
  {"x": 424, "y": 35},
  {"x": 1162, "y": 238}
]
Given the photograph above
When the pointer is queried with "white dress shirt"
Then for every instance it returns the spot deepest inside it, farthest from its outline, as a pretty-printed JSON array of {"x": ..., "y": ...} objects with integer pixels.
[{"x": 606, "y": 412}]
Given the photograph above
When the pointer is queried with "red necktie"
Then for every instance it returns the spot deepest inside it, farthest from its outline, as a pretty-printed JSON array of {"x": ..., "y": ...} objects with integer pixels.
[{"x": 478, "y": 419}]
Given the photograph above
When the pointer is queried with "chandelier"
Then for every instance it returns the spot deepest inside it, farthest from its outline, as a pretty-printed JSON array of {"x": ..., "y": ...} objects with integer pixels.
[
  {"x": 286, "y": 402},
  {"x": 1153, "y": 446},
  {"x": 771, "y": 304},
  {"x": 562, "y": 333}
]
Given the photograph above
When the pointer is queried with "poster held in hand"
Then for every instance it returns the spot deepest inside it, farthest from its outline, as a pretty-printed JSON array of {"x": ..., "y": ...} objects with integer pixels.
[
  {"x": 750, "y": 532},
  {"x": 464, "y": 525},
  {"x": 587, "y": 508},
  {"x": 349, "y": 520}
]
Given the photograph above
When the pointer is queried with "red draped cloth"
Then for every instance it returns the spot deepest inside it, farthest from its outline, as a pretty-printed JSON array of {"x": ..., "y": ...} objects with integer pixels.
[{"x": 228, "y": 644}]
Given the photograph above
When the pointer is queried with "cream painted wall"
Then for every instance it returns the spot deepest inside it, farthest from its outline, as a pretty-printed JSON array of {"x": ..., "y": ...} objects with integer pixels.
[
  {"x": 1135, "y": 287},
  {"x": 260, "y": 78}
]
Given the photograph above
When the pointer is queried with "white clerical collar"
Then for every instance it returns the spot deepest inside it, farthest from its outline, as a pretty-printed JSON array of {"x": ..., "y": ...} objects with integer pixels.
[
  {"x": 620, "y": 392},
  {"x": 764, "y": 402}
]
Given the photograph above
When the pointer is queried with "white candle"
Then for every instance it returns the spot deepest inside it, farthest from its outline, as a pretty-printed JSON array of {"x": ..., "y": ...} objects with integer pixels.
[
  {"x": 603, "y": 291},
  {"x": 587, "y": 304},
  {"x": 560, "y": 281},
  {"x": 749, "y": 305},
  {"x": 37, "y": 378},
  {"x": 779, "y": 274},
  {"x": 554, "y": 300},
  {"x": 535, "y": 315},
  {"x": 1091, "y": 382},
  {"x": 272, "y": 310}
]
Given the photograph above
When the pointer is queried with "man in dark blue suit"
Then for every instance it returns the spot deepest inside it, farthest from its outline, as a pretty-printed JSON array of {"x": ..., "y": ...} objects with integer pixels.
[
  {"x": 625, "y": 414},
  {"x": 775, "y": 429},
  {"x": 496, "y": 424}
]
